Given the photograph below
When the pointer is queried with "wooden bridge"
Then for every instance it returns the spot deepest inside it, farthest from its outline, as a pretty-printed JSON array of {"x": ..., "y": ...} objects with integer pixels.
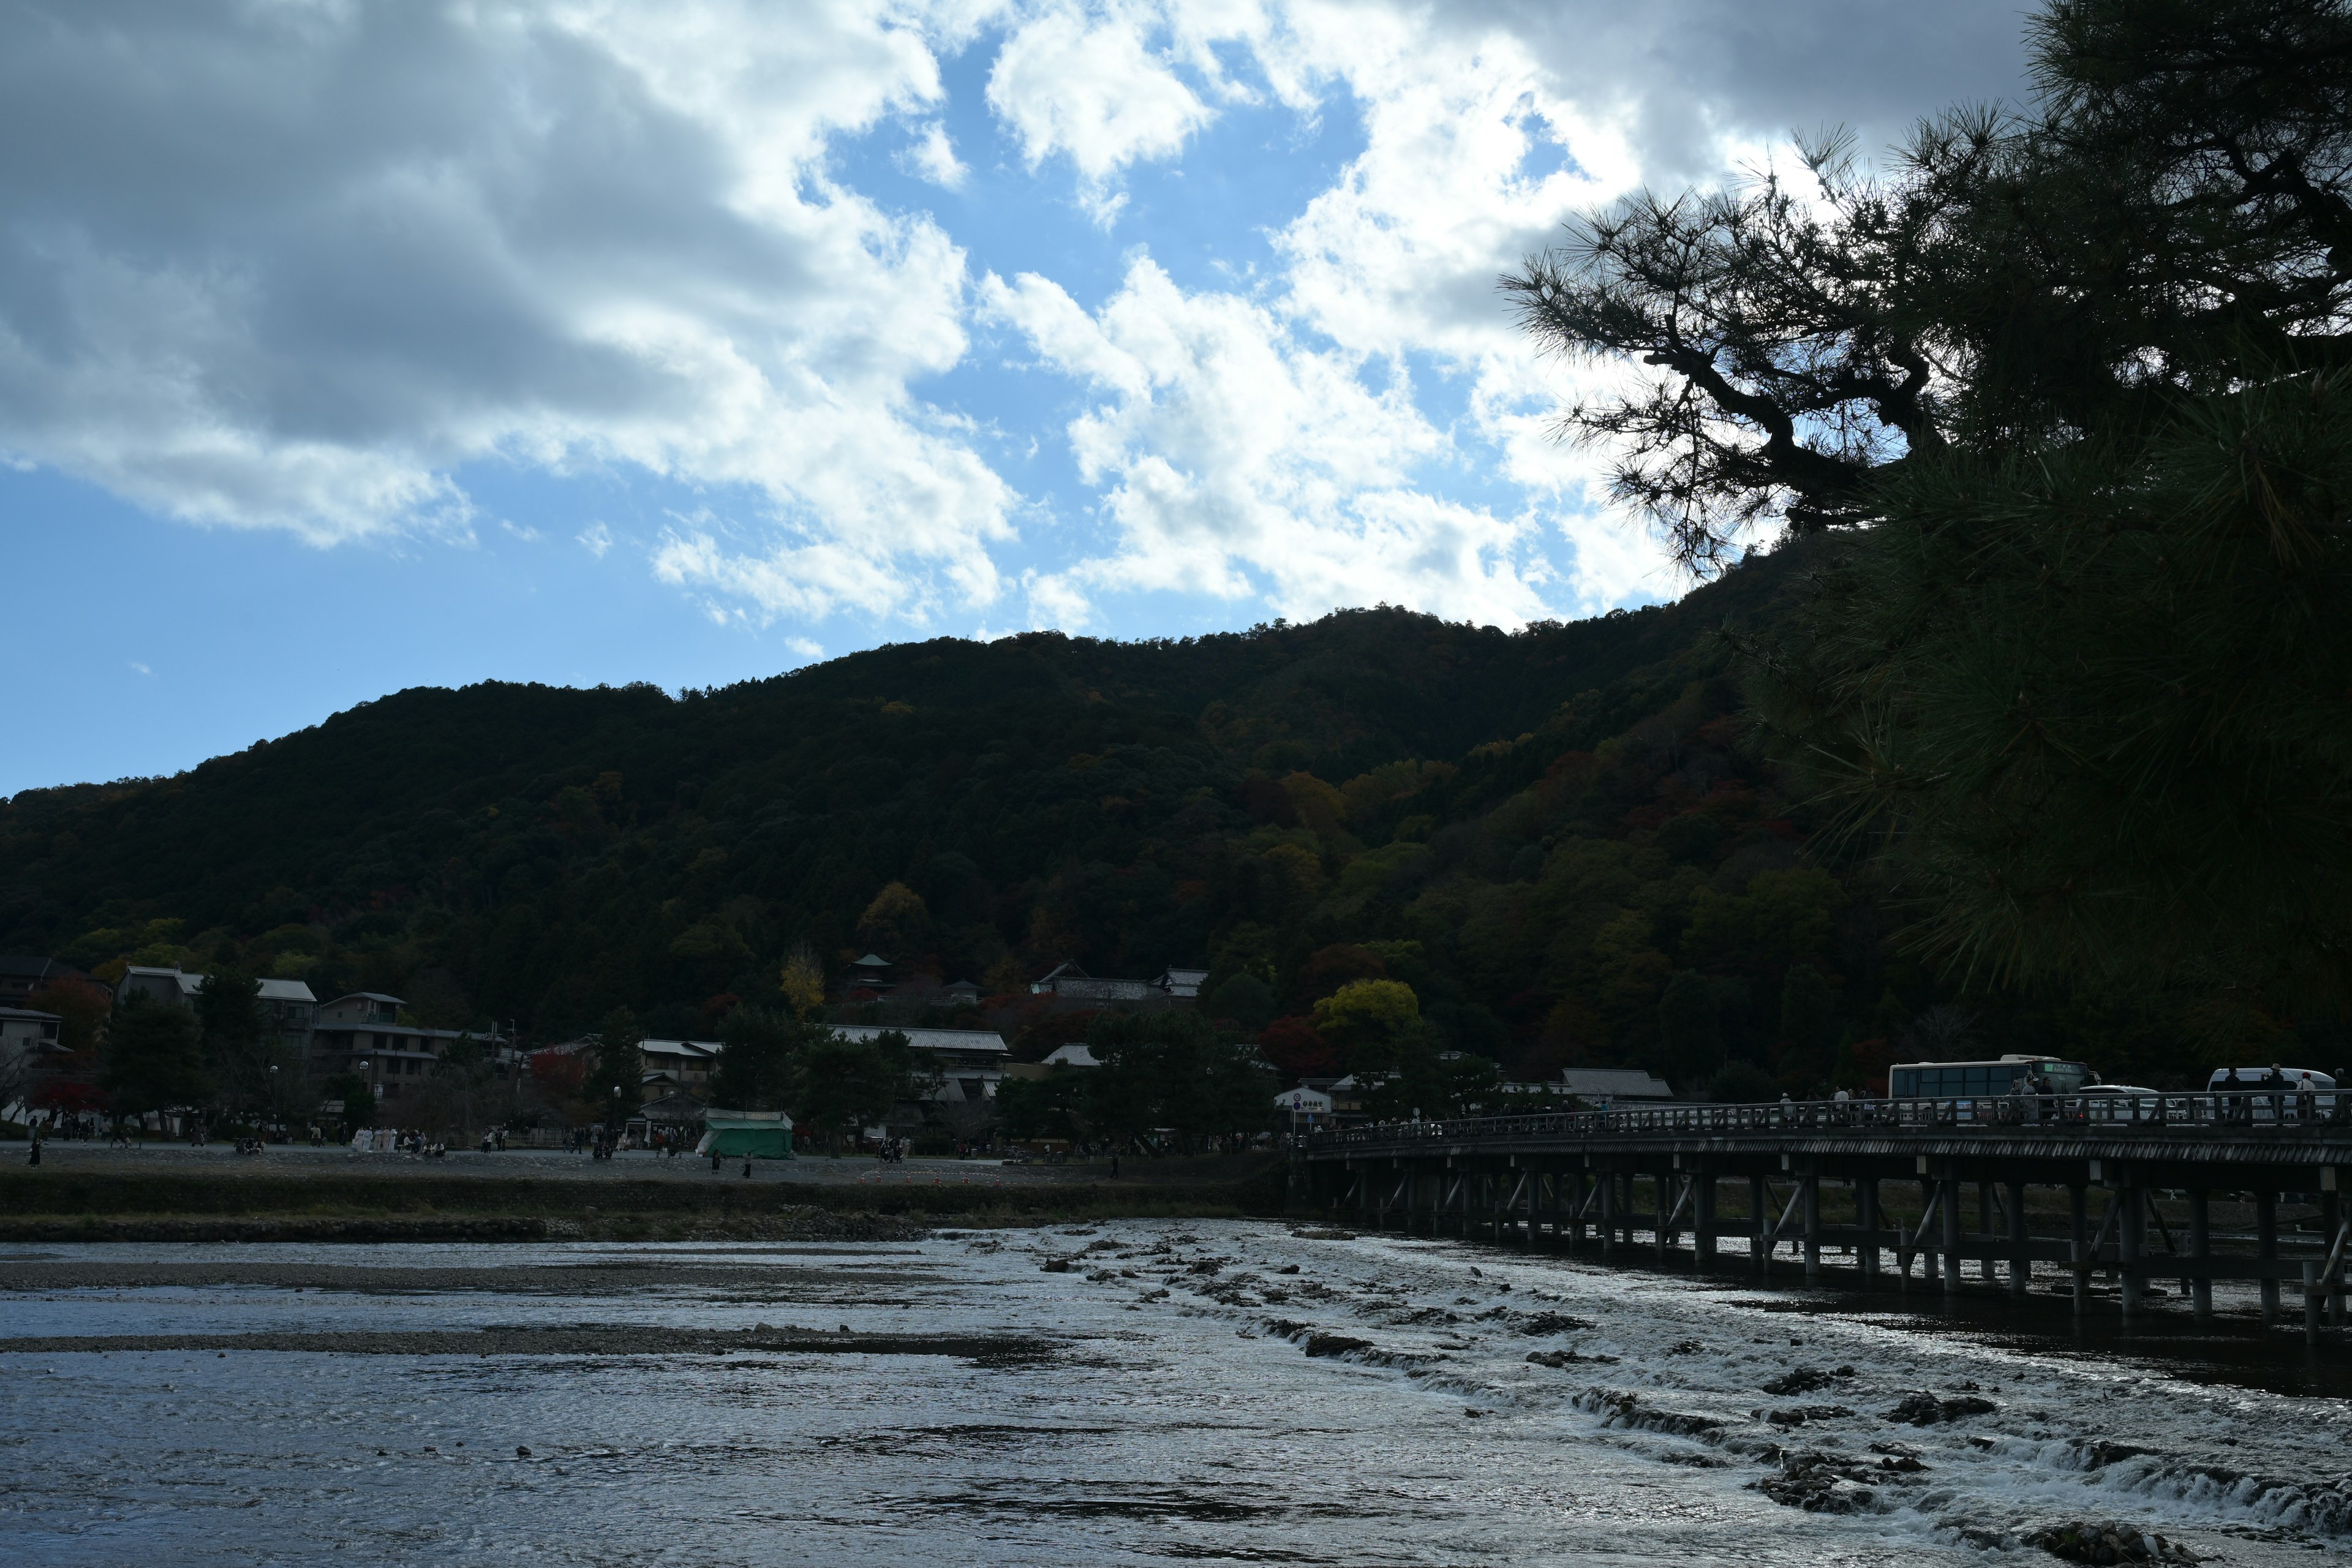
[{"x": 2090, "y": 1185}]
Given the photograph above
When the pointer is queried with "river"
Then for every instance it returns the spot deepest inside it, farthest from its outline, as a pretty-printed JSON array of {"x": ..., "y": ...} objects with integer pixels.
[{"x": 1152, "y": 1399}]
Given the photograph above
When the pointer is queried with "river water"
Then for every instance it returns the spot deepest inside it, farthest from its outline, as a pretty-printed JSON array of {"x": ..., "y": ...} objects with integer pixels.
[{"x": 1155, "y": 1402}]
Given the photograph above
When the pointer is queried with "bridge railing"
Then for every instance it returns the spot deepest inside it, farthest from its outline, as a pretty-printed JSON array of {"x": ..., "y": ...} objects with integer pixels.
[{"x": 2279, "y": 1110}]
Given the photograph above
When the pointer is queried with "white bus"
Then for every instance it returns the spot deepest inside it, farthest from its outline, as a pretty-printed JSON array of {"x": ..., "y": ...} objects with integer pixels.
[{"x": 1985, "y": 1081}]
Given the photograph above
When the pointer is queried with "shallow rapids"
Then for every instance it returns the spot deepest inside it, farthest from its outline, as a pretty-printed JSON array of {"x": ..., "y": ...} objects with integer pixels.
[{"x": 1128, "y": 1393}]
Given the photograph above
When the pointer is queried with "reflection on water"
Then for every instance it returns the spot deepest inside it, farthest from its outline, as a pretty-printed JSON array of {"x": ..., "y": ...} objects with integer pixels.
[{"x": 1462, "y": 1405}]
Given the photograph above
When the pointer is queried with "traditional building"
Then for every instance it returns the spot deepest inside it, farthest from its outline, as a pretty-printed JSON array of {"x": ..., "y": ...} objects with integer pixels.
[
  {"x": 361, "y": 1033},
  {"x": 1068, "y": 984},
  {"x": 969, "y": 1062},
  {"x": 287, "y": 1008},
  {"x": 20, "y": 976}
]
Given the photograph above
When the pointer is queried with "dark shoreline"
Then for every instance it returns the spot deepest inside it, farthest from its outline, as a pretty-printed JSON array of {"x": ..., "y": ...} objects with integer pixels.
[
  {"x": 39, "y": 1206},
  {"x": 616, "y": 1339}
]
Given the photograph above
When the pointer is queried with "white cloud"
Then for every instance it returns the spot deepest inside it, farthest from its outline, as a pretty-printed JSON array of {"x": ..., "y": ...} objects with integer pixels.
[
  {"x": 140, "y": 668},
  {"x": 932, "y": 157},
  {"x": 1088, "y": 85},
  {"x": 296, "y": 266},
  {"x": 299, "y": 265},
  {"x": 1237, "y": 460}
]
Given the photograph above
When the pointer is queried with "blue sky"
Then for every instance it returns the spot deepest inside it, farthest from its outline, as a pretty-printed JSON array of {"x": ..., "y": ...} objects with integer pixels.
[{"x": 350, "y": 347}]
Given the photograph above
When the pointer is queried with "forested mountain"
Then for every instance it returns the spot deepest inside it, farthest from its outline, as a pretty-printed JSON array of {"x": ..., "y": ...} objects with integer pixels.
[{"x": 1556, "y": 838}]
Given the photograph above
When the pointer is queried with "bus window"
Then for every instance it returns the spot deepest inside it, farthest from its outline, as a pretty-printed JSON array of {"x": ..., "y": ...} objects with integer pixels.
[
  {"x": 1906, "y": 1084},
  {"x": 1977, "y": 1081}
]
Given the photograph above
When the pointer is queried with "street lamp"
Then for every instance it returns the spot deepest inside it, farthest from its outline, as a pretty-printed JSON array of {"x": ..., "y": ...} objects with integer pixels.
[{"x": 273, "y": 1099}]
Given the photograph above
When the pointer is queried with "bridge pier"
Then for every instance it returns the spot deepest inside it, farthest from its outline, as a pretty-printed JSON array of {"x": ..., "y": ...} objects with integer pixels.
[
  {"x": 2079, "y": 1247},
  {"x": 2131, "y": 1238},
  {"x": 1702, "y": 1237},
  {"x": 1760, "y": 1221},
  {"x": 2201, "y": 1252},
  {"x": 1866, "y": 1212},
  {"x": 2020, "y": 1253},
  {"x": 1813, "y": 1222},
  {"x": 2266, "y": 1248},
  {"x": 1952, "y": 1255},
  {"x": 1663, "y": 1187}
]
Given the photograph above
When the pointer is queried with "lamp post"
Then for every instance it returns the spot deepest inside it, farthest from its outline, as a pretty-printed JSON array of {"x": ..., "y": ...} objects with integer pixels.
[{"x": 273, "y": 1100}]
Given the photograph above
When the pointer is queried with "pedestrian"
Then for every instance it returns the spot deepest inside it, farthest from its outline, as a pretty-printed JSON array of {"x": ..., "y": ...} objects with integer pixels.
[
  {"x": 1114, "y": 1164},
  {"x": 714, "y": 1159},
  {"x": 36, "y": 1157},
  {"x": 747, "y": 1167}
]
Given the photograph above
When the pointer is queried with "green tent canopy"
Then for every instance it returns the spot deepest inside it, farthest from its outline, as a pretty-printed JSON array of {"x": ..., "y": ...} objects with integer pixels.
[{"x": 756, "y": 1134}]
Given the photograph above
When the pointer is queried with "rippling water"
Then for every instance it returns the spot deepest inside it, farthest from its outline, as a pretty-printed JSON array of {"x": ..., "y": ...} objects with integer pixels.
[{"x": 1175, "y": 1414}]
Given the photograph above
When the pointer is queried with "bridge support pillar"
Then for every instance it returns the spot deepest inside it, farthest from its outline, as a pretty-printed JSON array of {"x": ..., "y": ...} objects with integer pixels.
[
  {"x": 1703, "y": 1218},
  {"x": 1608, "y": 1214},
  {"x": 1663, "y": 1193},
  {"x": 2266, "y": 1248},
  {"x": 2131, "y": 1238},
  {"x": 2020, "y": 1259},
  {"x": 1951, "y": 1187},
  {"x": 2078, "y": 1205},
  {"x": 1986, "y": 1264},
  {"x": 1812, "y": 1192},
  {"x": 1866, "y": 1216},
  {"x": 2311, "y": 1294},
  {"x": 2200, "y": 1252},
  {"x": 1759, "y": 1225}
]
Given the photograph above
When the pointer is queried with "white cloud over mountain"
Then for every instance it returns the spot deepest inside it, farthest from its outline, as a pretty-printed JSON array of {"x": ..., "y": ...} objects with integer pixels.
[{"x": 302, "y": 265}]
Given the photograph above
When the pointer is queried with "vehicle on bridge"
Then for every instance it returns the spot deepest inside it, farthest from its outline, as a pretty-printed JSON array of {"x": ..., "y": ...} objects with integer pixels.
[{"x": 1985, "y": 1079}]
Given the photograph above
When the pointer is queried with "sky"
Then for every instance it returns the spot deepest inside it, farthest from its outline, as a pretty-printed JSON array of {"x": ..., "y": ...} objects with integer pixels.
[{"x": 347, "y": 347}]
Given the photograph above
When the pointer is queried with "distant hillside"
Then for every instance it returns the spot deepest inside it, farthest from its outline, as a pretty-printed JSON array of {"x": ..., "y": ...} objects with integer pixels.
[{"x": 1538, "y": 831}]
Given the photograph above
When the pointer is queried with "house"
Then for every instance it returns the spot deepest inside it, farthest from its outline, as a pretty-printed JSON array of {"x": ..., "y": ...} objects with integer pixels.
[
  {"x": 361, "y": 1033},
  {"x": 20, "y": 976},
  {"x": 1308, "y": 1107},
  {"x": 287, "y": 1008},
  {"x": 872, "y": 973},
  {"x": 677, "y": 1067},
  {"x": 1074, "y": 1054},
  {"x": 1068, "y": 983},
  {"x": 29, "y": 1041},
  {"x": 1181, "y": 981},
  {"x": 969, "y": 1062},
  {"x": 1606, "y": 1086},
  {"x": 957, "y": 991}
]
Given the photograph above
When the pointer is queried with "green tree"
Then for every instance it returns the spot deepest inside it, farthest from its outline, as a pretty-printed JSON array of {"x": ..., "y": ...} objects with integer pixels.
[
  {"x": 1170, "y": 1071},
  {"x": 1690, "y": 1033},
  {"x": 2072, "y": 377},
  {"x": 617, "y": 1069},
  {"x": 841, "y": 1085},
  {"x": 349, "y": 1090},
  {"x": 1055, "y": 1106},
  {"x": 154, "y": 1059},
  {"x": 1807, "y": 1010},
  {"x": 896, "y": 923},
  {"x": 1369, "y": 1021},
  {"x": 756, "y": 1066},
  {"x": 1423, "y": 1081},
  {"x": 1245, "y": 999},
  {"x": 239, "y": 1049}
]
